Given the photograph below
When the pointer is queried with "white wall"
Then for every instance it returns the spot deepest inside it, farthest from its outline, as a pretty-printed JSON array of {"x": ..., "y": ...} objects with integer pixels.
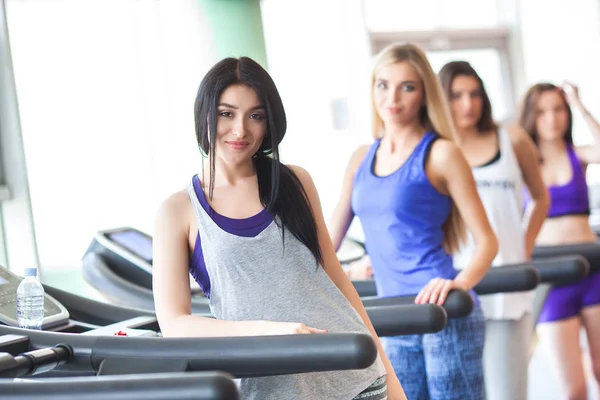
[
  {"x": 319, "y": 51},
  {"x": 106, "y": 91}
]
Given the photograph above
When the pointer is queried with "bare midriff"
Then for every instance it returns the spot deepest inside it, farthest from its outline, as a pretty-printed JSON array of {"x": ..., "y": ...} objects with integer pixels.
[{"x": 569, "y": 229}]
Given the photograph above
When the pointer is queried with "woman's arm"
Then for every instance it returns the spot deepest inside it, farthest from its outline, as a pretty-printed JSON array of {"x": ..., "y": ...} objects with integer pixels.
[
  {"x": 589, "y": 154},
  {"x": 333, "y": 268},
  {"x": 450, "y": 174},
  {"x": 342, "y": 215},
  {"x": 527, "y": 157},
  {"x": 171, "y": 285}
]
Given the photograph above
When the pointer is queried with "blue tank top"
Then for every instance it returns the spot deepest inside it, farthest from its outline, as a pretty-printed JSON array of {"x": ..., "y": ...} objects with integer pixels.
[{"x": 402, "y": 216}]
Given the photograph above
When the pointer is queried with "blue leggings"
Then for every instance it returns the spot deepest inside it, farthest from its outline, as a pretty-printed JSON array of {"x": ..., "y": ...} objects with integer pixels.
[{"x": 444, "y": 365}]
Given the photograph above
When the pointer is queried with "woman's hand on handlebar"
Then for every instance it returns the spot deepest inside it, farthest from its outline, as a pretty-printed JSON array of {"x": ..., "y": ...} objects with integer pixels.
[
  {"x": 360, "y": 270},
  {"x": 436, "y": 291},
  {"x": 267, "y": 328}
]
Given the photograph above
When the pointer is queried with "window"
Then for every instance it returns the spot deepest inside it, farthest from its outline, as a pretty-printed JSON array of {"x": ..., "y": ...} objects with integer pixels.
[{"x": 106, "y": 93}]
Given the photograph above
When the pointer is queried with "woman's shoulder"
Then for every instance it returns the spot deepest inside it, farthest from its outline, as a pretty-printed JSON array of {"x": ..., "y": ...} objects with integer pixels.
[
  {"x": 518, "y": 136},
  {"x": 361, "y": 151},
  {"x": 359, "y": 155},
  {"x": 177, "y": 199},
  {"x": 175, "y": 208},
  {"x": 443, "y": 148},
  {"x": 301, "y": 173}
]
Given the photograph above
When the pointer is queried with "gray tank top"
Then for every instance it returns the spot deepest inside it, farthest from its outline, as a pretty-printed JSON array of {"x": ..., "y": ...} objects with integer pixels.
[{"x": 257, "y": 278}]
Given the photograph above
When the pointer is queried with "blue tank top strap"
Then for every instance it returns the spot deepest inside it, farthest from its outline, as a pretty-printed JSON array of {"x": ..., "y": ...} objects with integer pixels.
[
  {"x": 366, "y": 166},
  {"x": 419, "y": 155},
  {"x": 422, "y": 150}
]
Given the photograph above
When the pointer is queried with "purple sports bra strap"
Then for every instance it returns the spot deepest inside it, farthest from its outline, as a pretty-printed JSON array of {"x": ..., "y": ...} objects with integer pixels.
[{"x": 578, "y": 171}]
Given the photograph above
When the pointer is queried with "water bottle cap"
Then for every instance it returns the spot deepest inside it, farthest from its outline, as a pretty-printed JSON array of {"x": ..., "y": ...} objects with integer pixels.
[{"x": 30, "y": 271}]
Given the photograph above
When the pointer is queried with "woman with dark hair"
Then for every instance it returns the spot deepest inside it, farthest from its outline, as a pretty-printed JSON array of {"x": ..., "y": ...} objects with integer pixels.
[
  {"x": 546, "y": 115},
  {"x": 503, "y": 162},
  {"x": 251, "y": 232}
]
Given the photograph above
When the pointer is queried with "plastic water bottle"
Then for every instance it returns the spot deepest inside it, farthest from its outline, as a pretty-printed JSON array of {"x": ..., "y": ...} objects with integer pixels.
[{"x": 30, "y": 301}]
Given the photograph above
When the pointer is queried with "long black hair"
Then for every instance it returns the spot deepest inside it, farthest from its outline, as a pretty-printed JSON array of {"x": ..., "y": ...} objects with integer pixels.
[{"x": 280, "y": 190}]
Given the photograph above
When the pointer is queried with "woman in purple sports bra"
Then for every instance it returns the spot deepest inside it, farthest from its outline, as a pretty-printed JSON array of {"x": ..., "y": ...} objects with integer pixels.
[{"x": 546, "y": 115}]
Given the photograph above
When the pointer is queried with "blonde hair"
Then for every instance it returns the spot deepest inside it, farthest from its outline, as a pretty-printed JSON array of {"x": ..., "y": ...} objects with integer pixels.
[{"x": 435, "y": 116}]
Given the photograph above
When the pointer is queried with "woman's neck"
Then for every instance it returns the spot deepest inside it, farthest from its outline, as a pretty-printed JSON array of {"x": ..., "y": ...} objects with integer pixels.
[
  {"x": 551, "y": 148},
  {"x": 402, "y": 132},
  {"x": 467, "y": 134},
  {"x": 228, "y": 174}
]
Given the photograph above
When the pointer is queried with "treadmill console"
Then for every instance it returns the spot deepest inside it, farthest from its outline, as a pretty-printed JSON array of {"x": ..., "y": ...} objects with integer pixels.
[
  {"x": 137, "y": 243},
  {"x": 54, "y": 312},
  {"x": 128, "y": 253}
]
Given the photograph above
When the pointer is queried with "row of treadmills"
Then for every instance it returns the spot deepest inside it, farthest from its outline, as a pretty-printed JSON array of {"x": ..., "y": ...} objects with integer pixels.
[{"x": 90, "y": 349}]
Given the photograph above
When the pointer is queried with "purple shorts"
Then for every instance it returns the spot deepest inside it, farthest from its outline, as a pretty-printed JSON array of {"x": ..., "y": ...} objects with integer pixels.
[{"x": 567, "y": 301}]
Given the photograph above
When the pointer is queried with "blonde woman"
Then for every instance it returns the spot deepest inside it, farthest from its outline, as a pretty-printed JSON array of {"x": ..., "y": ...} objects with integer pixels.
[{"x": 413, "y": 192}]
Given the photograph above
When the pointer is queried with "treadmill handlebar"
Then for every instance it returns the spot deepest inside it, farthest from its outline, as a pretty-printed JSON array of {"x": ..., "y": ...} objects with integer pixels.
[
  {"x": 459, "y": 303},
  {"x": 34, "y": 362},
  {"x": 410, "y": 319},
  {"x": 509, "y": 278},
  {"x": 505, "y": 279},
  {"x": 560, "y": 271},
  {"x": 239, "y": 356},
  {"x": 248, "y": 356},
  {"x": 590, "y": 251},
  {"x": 173, "y": 386},
  {"x": 365, "y": 288}
]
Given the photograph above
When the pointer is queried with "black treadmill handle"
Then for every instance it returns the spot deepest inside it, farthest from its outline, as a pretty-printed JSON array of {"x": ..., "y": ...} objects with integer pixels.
[
  {"x": 410, "y": 319},
  {"x": 365, "y": 287},
  {"x": 509, "y": 278},
  {"x": 173, "y": 386},
  {"x": 560, "y": 271},
  {"x": 590, "y": 251},
  {"x": 248, "y": 356},
  {"x": 33, "y": 362},
  {"x": 459, "y": 303}
]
